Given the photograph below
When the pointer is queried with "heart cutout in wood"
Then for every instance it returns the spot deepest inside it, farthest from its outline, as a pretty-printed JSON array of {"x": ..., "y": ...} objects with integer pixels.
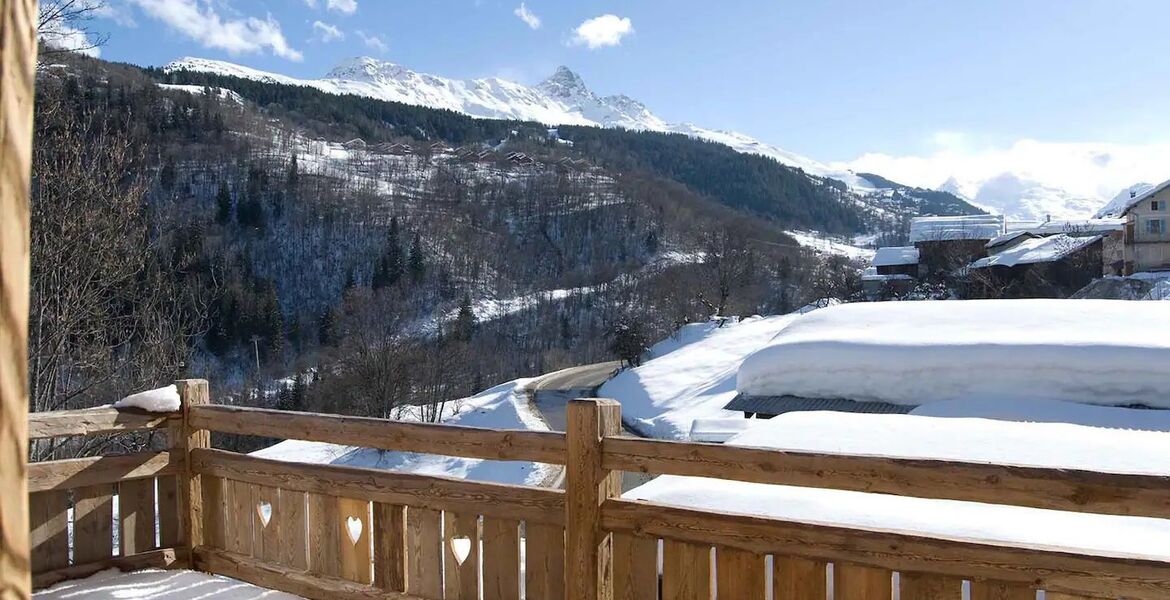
[
  {"x": 461, "y": 548},
  {"x": 264, "y": 511},
  {"x": 353, "y": 528}
]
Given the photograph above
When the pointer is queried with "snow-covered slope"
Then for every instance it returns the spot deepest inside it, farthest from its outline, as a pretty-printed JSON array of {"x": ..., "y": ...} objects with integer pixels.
[{"x": 562, "y": 99}]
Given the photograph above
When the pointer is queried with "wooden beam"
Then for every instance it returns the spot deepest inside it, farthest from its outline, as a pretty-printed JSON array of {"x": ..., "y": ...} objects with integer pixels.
[
  {"x": 1113, "y": 577},
  {"x": 18, "y": 53},
  {"x": 98, "y": 470},
  {"x": 163, "y": 558},
  {"x": 185, "y": 438},
  {"x": 92, "y": 421},
  {"x": 285, "y": 579},
  {"x": 588, "y": 547},
  {"x": 447, "y": 440},
  {"x": 1056, "y": 489},
  {"x": 389, "y": 487}
]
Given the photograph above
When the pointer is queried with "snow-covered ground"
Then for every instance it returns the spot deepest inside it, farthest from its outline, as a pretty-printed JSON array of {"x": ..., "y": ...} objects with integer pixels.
[
  {"x": 688, "y": 376},
  {"x": 1105, "y": 352},
  {"x": 1049, "y": 411},
  {"x": 154, "y": 583},
  {"x": 975, "y": 440},
  {"x": 505, "y": 406},
  {"x": 817, "y": 242}
]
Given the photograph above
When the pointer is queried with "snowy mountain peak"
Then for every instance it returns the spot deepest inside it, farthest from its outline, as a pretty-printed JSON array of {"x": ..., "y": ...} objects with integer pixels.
[
  {"x": 365, "y": 68},
  {"x": 565, "y": 83}
]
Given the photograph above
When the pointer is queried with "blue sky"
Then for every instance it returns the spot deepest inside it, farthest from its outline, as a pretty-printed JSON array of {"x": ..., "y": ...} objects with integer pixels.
[{"x": 830, "y": 79}]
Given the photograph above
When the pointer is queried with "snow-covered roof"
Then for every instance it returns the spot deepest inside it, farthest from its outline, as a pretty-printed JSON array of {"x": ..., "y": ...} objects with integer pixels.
[
  {"x": 1048, "y": 445},
  {"x": 971, "y": 227},
  {"x": 1069, "y": 226},
  {"x": 1107, "y": 352},
  {"x": 886, "y": 277},
  {"x": 1036, "y": 250},
  {"x": 1122, "y": 203},
  {"x": 1000, "y": 240},
  {"x": 892, "y": 256}
]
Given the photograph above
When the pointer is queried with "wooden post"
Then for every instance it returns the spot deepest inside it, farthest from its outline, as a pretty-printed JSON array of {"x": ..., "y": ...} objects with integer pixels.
[
  {"x": 589, "y": 549},
  {"x": 192, "y": 392},
  {"x": 18, "y": 53}
]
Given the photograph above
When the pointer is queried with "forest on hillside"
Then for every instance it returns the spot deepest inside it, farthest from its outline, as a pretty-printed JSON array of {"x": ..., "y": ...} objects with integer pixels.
[{"x": 180, "y": 232}]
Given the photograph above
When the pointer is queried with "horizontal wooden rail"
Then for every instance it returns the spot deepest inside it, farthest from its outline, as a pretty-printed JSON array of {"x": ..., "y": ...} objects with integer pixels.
[
  {"x": 100, "y": 470},
  {"x": 293, "y": 581},
  {"x": 389, "y": 487},
  {"x": 1057, "y": 489},
  {"x": 1106, "y": 577},
  {"x": 447, "y": 440},
  {"x": 93, "y": 421},
  {"x": 163, "y": 558}
]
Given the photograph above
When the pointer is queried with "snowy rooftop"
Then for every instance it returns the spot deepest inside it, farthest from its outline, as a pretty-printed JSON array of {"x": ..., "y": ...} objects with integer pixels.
[
  {"x": 1073, "y": 226},
  {"x": 1122, "y": 203},
  {"x": 1036, "y": 250},
  {"x": 1107, "y": 352},
  {"x": 972, "y": 227},
  {"x": 973, "y": 440},
  {"x": 892, "y": 256}
]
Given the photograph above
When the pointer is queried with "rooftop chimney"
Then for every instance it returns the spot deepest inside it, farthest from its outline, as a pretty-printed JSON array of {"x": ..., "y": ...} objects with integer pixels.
[{"x": 1132, "y": 194}]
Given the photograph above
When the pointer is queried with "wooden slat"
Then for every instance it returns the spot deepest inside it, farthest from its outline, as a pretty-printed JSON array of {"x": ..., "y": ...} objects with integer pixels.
[
  {"x": 799, "y": 579},
  {"x": 324, "y": 535},
  {"x": 213, "y": 510},
  {"x": 183, "y": 439},
  {"x": 740, "y": 574},
  {"x": 921, "y": 586},
  {"x": 238, "y": 517},
  {"x": 136, "y": 516},
  {"x": 266, "y": 537},
  {"x": 18, "y": 50},
  {"x": 589, "y": 547},
  {"x": 424, "y": 552},
  {"x": 93, "y": 524},
  {"x": 1129, "y": 578},
  {"x": 853, "y": 582},
  {"x": 93, "y": 421},
  {"x": 293, "y": 527},
  {"x": 686, "y": 571},
  {"x": 388, "y": 487},
  {"x": 98, "y": 470},
  {"x": 1058, "y": 489},
  {"x": 544, "y": 556},
  {"x": 279, "y": 577},
  {"x": 635, "y": 567},
  {"x": 48, "y": 523},
  {"x": 389, "y": 530},
  {"x": 448, "y": 440},
  {"x": 169, "y": 532},
  {"x": 998, "y": 590},
  {"x": 501, "y": 559},
  {"x": 461, "y": 578},
  {"x": 163, "y": 558},
  {"x": 354, "y": 551}
]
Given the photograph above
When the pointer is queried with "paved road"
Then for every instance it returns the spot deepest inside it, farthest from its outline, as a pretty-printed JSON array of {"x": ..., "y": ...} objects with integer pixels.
[{"x": 551, "y": 393}]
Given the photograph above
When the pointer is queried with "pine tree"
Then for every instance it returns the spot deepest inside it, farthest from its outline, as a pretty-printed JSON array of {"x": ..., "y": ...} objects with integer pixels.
[
  {"x": 223, "y": 205},
  {"x": 389, "y": 270},
  {"x": 464, "y": 326},
  {"x": 415, "y": 263},
  {"x": 293, "y": 173}
]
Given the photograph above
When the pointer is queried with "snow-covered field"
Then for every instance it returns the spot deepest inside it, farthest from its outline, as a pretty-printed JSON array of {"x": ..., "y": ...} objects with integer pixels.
[
  {"x": 505, "y": 406},
  {"x": 976, "y": 440},
  {"x": 154, "y": 583},
  {"x": 824, "y": 245},
  {"x": 1105, "y": 352},
  {"x": 689, "y": 376}
]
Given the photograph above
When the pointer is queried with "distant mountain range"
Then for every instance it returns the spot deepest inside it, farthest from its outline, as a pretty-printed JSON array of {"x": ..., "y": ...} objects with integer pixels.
[{"x": 565, "y": 99}]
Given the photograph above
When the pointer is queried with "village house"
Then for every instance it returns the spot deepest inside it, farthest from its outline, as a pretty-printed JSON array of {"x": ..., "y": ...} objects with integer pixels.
[
  {"x": 1144, "y": 243},
  {"x": 894, "y": 272},
  {"x": 945, "y": 244}
]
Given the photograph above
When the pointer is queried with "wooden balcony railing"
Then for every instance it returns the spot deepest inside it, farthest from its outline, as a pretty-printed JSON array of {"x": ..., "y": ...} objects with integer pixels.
[{"x": 329, "y": 531}]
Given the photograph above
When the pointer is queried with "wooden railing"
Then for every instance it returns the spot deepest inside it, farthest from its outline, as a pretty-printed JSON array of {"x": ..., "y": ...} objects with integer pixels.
[{"x": 328, "y": 531}]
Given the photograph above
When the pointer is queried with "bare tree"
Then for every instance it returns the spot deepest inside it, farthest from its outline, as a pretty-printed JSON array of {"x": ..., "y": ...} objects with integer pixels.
[
  {"x": 64, "y": 26},
  {"x": 730, "y": 263}
]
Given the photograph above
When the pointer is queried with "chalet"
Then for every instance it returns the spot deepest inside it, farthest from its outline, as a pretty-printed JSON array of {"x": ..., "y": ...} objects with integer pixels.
[
  {"x": 439, "y": 148},
  {"x": 894, "y": 272},
  {"x": 948, "y": 243},
  {"x": 1034, "y": 266},
  {"x": 1144, "y": 243},
  {"x": 355, "y": 144}
]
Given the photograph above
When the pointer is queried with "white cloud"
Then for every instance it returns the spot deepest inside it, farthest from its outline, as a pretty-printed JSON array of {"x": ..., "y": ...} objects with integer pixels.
[
  {"x": 1027, "y": 176},
  {"x": 530, "y": 19},
  {"x": 203, "y": 24},
  {"x": 373, "y": 42},
  {"x": 345, "y": 7},
  {"x": 326, "y": 32},
  {"x": 606, "y": 30},
  {"x": 63, "y": 37}
]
